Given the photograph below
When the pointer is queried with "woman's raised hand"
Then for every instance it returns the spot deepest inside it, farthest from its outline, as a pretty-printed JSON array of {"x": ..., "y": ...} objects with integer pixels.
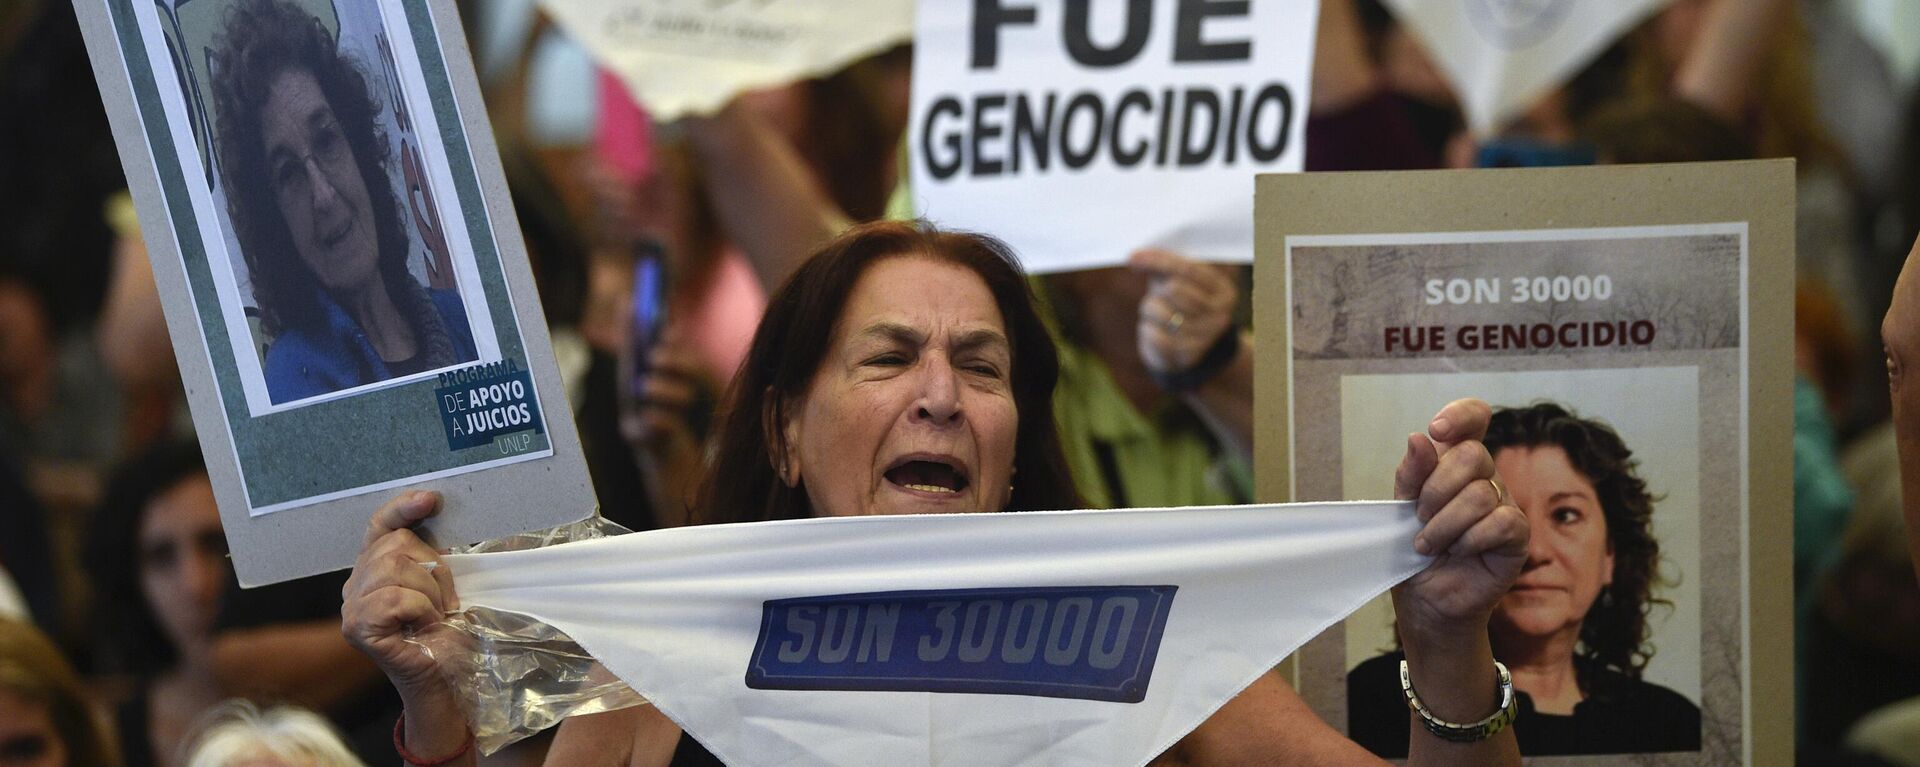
[
  {"x": 658, "y": 423},
  {"x": 1477, "y": 537},
  {"x": 393, "y": 595},
  {"x": 1188, "y": 305}
]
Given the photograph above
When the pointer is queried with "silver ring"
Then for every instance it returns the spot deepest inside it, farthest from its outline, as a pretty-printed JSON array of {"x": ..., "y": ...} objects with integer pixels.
[{"x": 1175, "y": 320}]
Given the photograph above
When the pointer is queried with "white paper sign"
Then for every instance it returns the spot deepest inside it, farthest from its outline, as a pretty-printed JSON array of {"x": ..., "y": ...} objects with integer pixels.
[
  {"x": 1502, "y": 55},
  {"x": 1032, "y": 638},
  {"x": 1079, "y": 131},
  {"x": 692, "y": 56}
]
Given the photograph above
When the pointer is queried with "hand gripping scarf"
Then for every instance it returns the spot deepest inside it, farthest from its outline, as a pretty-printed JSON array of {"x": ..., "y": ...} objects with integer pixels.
[{"x": 1075, "y": 637}]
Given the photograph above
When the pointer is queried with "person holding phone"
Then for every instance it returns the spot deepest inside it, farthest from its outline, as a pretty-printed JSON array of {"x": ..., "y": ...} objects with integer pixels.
[{"x": 663, "y": 397}]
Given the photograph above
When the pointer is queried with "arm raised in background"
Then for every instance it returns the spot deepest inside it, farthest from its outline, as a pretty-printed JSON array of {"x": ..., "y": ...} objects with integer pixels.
[
  {"x": 305, "y": 663},
  {"x": 1723, "y": 62},
  {"x": 764, "y": 194},
  {"x": 1343, "y": 73},
  {"x": 654, "y": 421},
  {"x": 1187, "y": 311}
]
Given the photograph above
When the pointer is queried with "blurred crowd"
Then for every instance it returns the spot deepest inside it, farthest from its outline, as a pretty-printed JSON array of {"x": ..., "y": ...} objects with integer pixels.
[{"x": 124, "y": 639}]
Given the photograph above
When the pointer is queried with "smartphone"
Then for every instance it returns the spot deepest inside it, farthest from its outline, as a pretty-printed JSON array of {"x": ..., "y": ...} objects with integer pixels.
[
  {"x": 1516, "y": 152},
  {"x": 649, "y": 309}
]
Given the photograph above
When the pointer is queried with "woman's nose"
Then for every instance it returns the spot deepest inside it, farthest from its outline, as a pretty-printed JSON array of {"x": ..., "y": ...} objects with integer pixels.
[
  {"x": 1538, "y": 551},
  {"x": 939, "y": 401},
  {"x": 201, "y": 577},
  {"x": 325, "y": 194}
]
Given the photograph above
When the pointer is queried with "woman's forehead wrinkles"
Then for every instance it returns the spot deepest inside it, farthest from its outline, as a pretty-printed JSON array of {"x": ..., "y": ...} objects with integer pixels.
[
  {"x": 980, "y": 338},
  {"x": 894, "y": 331},
  {"x": 963, "y": 338}
]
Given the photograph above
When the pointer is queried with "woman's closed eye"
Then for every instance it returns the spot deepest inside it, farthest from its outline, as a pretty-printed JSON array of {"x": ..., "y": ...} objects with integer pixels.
[{"x": 982, "y": 367}]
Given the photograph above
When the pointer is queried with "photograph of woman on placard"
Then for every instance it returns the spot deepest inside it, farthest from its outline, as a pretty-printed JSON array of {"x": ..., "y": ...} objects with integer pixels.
[
  {"x": 324, "y": 238},
  {"x": 1574, "y": 628}
]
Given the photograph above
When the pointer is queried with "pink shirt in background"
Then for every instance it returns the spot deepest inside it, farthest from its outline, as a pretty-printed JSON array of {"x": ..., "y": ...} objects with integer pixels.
[
  {"x": 622, "y": 133},
  {"x": 720, "y": 321}
]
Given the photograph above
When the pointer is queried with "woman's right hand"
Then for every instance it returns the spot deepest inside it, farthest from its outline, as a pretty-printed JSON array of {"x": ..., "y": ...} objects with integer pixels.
[
  {"x": 657, "y": 422},
  {"x": 392, "y": 596}
]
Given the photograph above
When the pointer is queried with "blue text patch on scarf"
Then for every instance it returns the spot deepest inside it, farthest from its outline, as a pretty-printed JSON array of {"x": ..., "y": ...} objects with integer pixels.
[{"x": 1086, "y": 642}]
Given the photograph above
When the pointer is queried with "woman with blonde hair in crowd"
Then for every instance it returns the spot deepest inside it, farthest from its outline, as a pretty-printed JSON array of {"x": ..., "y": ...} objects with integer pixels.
[
  {"x": 45, "y": 719},
  {"x": 238, "y": 733}
]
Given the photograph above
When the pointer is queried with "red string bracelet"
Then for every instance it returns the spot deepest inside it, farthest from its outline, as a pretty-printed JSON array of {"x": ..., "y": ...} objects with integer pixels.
[{"x": 400, "y": 745}]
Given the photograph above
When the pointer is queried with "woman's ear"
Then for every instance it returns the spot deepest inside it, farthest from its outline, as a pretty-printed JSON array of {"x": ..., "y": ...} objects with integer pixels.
[{"x": 779, "y": 419}]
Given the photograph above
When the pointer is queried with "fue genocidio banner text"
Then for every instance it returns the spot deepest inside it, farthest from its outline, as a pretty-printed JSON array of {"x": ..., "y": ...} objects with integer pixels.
[{"x": 1081, "y": 131}]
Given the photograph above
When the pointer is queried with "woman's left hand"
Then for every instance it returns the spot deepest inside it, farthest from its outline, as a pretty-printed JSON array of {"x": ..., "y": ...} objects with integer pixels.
[
  {"x": 1188, "y": 305},
  {"x": 1477, "y": 537}
]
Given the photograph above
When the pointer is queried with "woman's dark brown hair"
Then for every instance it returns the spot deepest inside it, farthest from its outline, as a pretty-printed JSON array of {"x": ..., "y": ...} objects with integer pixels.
[
  {"x": 1614, "y": 634},
  {"x": 129, "y": 639},
  {"x": 262, "y": 40},
  {"x": 792, "y": 341}
]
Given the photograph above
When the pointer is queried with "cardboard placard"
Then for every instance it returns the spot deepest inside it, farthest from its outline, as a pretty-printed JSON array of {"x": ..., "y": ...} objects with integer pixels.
[
  {"x": 1655, "y": 301},
  {"x": 1081, "y": 132},
  {"x": 342, "y": 274}
]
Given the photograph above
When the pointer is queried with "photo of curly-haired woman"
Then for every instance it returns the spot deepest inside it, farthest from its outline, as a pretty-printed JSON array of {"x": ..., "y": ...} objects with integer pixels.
[
  {"x": 1599, "y": 598},
  {"x": 333, "y": 246},
  {"x": 324, "y": 238},
  {"x": 338, "y": 267}
]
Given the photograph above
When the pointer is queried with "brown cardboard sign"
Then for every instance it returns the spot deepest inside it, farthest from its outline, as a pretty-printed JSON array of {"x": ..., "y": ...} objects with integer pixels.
[{"x": 1631, "y": 326}]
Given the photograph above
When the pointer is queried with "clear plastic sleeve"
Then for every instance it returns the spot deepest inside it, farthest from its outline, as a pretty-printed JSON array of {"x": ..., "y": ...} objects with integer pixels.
[{"x": 516, "y": 675}]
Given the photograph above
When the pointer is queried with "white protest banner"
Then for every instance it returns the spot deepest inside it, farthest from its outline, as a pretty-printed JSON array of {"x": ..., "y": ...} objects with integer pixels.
[
  {"x": 1502, "y": 55},
  {"x": 1079, "y": 132},
  {"x": 1032, "y": 638},
  {"x": 691, "y": 56}
]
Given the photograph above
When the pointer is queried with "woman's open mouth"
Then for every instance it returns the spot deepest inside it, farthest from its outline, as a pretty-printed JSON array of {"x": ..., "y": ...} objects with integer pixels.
[{"x": 935, "y": 476}]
